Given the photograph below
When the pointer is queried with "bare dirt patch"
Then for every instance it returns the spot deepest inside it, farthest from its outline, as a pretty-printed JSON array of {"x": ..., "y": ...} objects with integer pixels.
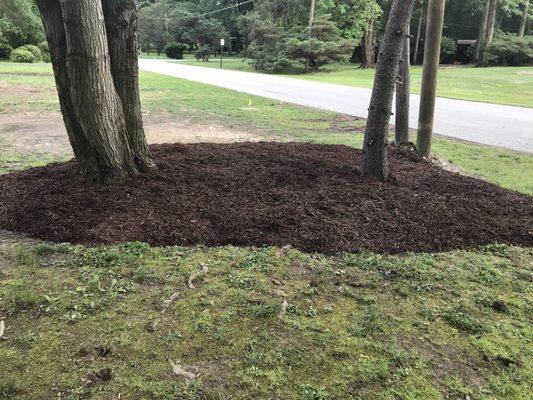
[
  {"x": 9, "y": 88},
  {"x": 40, "y": 135},
  {"x": 312, "y": 197}
]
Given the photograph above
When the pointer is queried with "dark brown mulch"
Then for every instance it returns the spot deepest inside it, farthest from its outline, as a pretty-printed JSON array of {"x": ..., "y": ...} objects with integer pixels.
[{"x": 309, "y": 196}]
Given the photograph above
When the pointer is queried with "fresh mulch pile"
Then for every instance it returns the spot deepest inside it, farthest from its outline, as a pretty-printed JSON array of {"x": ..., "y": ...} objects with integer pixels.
[{"x": 312, "y": 197}]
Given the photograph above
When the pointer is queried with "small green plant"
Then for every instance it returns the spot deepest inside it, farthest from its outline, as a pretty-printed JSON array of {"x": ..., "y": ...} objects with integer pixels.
[
  {"x": 35, "y": 50},
  {"x": 463, "y": 321},
  {"x": 308, "y": 392},
  {"x": 5, "y": 51},
  {"x": 45, "y": 50},
  {"x": 175, "y": 50},
  {"x": 447, "y": 49},
  {"x": 22, "y": 56}
]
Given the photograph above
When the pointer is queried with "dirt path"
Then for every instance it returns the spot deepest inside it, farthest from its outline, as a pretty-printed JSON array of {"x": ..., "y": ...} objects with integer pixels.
[{"x": 44, "y": 135}]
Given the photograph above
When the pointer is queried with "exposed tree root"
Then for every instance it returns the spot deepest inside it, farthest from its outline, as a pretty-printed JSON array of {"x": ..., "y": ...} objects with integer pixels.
[
  {"x": 203, "y": 270},
  {"x": 169, "y": 301}
]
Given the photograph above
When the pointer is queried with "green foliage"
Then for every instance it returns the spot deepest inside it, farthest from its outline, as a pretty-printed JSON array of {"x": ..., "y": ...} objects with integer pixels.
[
  {"x": 447, "y": 49},
  {"x": 175, "y": 50},
  {"x": 276, "y": 49},
  {"x": 324, "y": 46},
  {"x": 35, "y": 50},
  {"x": 508, "y": 49},
  {"x": 45, "y": 50},
  {"x": 463, "y": 321},
  {"x": 268, "y": 46},
  {"x": 308, "y": 392},
  {"x": 20, "y": 22},
  {"x": 152, "y": 32},
  {"x": 5, "y": 50},
  {"x": 21, "y": 55}
]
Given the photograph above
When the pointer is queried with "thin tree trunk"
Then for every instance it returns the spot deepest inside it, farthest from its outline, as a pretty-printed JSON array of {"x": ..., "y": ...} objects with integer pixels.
[
  {"x": 482, "y": 32},
  {"x": 368, "y": 46},
  {"x": 121, "y": 26},
  {"x": 403, "y": 96},
  {"x": 310, "y": 29},
  {"x": 489, "y": 34},
  {"x": 376, "y": 134},
  {"x": 523, "y": 21},
  {"x": 418, "y": 33},
  {"x": 429, "y": 75}
]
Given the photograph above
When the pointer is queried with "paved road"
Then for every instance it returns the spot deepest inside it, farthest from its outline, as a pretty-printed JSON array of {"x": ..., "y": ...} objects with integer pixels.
[{"x": 491, "y": 124}]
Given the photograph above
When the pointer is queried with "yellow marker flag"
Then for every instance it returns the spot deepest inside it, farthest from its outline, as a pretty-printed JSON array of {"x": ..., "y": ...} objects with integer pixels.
[{"x": 250, "y": 103}]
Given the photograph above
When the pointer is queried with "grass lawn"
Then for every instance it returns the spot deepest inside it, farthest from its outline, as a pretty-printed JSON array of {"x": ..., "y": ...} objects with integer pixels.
[
  {"x": 512, "y": 85},
  {"x": 86, "y": 322}
]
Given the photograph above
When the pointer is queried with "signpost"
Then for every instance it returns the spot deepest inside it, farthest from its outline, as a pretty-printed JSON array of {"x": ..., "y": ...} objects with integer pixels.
[{"x": 222, "y": 43}]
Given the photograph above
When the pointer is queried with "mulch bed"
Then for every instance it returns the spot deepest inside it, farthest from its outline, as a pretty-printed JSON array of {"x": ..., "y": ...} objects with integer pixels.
[{"x": 312, "y": 197}]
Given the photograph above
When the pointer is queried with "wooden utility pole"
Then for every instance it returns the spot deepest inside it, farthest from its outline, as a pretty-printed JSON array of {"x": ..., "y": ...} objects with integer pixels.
[
  {"x": 418, "y": 32},
  {"x": 523, "y": 22},
  {"x": 428, "y": 91},
  {"x": 402, "y": 95}
]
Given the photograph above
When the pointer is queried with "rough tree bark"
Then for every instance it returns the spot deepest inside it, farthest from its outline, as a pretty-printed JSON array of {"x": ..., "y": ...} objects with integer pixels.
[
  {"x": 523, "y": 21},
  {"x": 429, "y": 76},
  {"x": 379, "y": 113},
  {"x": 105, "y": 132},
  {"x": 367, "y": 46},
  {"x": 403, "y": 86},
  {"x": 121, "y": 26}
]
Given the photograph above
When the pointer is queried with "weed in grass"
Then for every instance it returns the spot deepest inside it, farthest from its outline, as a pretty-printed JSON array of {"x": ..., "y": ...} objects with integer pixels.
[
  {"x": 28, "y": 256},
  {"x": 370, "y": 322},
  {"x": 463, "y": 321},
  {"x": 308, "y": 392}
]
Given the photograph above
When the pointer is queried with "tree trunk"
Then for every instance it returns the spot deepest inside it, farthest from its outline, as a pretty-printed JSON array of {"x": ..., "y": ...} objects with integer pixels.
[
  {"x": 379, "y": 113},
  {"x": 55, "y": 33},
  {"x": 121, "y": 26},
  {"x": 310, "y": 30},
  {"x": 523, "y": 21},
  {"x": 367, "y": 56},
  {"x": 489, "y": 34},
  {"x": 403, "y": 96},
  {"x": 429, "y": 76},
  {"x": 482, "y": 33},
  {"x": 418, "y": 33},
  {"x": 97, "y": 121}
]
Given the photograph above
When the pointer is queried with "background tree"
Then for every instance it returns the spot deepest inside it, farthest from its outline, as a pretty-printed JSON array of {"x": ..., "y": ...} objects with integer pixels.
[
  {"x": 20, "y": 23},
  {"x": 94, "y": 54},
  {"x": 524, "y": 19},
  {"x": 153, "y": 26}
]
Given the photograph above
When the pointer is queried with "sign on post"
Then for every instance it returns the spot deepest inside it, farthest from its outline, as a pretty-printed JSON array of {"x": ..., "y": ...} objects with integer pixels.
[{"x": 222, "y": 43}]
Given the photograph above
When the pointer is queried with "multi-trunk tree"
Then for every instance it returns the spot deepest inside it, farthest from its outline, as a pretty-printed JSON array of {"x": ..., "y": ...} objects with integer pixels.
[
  {"x": 390, "y": 53},
  {"x": 94, "y": 50}
]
